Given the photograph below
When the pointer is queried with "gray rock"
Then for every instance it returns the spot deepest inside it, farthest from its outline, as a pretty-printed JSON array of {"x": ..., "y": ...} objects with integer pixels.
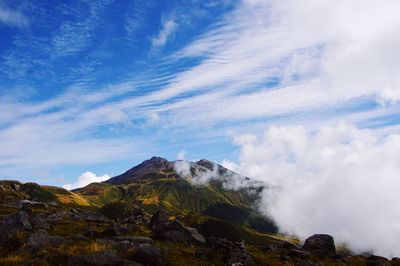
[
  {"x": 296, "y": 253},
  {"x": 239, "y": 255},
  {"x": 39, "y": 222},
  {"x": 101, "y": 258},
  {"x": 135, "y": 239},
  {"x": 159, "y": 220},
  {"x": 17, "y": 204},
  {"x": 34, "y": 204},
  {"x": 78, "y": 237},
  {"x": 42, "y": 238},
  {"x": 16, "y": 221},
  {"x": 320, "y": 245},
  {"x": 287, "y": 245},
  {"x": 219, "y": 243},
  {"x": 176, "y": 232},
  {"x": 149, "y": 255}
]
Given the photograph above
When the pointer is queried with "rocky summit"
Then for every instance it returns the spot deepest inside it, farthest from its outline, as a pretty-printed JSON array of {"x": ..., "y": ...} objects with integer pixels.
[{"x": 155, "y": 215}]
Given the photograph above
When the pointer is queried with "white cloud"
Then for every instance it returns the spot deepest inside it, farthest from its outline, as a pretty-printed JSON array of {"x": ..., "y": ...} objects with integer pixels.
[
  {"x": 85, "y": 179},
  {"x": 339, "y": 180},
  {"x": 167, "y": 30},
  {"x": 13, "y": 18},
  {"x": 182, "y": 155},
  {"x": 325, "y": 54}
]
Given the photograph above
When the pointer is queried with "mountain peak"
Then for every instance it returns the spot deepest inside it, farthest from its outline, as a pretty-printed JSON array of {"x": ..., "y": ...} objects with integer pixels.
[
  {"x": 151, "y": 166},
  {"x": 157, "y": 159}
]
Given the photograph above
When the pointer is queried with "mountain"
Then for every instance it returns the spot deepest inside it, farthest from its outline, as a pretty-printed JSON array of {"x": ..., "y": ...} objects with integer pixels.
[
  {"x": 155, "y": 184},
  {"x": 159, "y": 213}
]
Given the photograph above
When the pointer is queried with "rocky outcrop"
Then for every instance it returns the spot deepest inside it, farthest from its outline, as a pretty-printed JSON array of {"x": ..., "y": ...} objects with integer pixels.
[
  {"x": 42, "y": 238},
  {"x": 174, "y": 231},
  {"x": 320, "y": 245}
]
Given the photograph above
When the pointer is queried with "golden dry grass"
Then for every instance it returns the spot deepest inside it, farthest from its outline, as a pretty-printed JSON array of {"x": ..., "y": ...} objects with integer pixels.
[
  {"x": 85, "y": 247},
  {"x": 12, "y": 259},
  {"x": 151, "y": 200}
]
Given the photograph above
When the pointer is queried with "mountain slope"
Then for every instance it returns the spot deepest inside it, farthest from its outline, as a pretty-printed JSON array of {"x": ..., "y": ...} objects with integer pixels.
[{"x": 203, "y": 189}]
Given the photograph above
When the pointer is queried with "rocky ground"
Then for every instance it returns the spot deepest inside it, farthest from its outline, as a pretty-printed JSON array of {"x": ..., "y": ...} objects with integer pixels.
[{"x": 39, "y": 233}]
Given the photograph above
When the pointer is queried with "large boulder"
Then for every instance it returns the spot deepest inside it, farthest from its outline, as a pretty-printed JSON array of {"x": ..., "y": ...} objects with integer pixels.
[
  {"x": 239, "y": 255},
  {"x": 176, "y": 232},
  {"x": 149, "y": 255},
  {"x": 173, "y": 231},
  {"x": 16, "y": 221},
  {"x": 220, "y": 244},
  {"x": 159, "y": 220},
  {"x": 13, "y": 229},
  {"x": 320, "y": 245}
]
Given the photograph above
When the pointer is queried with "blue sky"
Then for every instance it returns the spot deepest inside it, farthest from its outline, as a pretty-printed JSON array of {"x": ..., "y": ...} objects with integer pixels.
[{"x": 102, "y": 85}]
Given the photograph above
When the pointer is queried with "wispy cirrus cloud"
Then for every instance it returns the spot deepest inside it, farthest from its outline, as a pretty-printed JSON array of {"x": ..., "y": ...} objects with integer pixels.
[
  {"x": 13, "y": 18},
  {"x": 168, "y": 28},
  {"x": 307, "y": 67}
]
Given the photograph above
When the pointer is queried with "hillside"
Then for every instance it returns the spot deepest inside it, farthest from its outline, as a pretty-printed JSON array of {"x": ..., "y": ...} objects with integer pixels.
[{"x": 157, "y": 213}]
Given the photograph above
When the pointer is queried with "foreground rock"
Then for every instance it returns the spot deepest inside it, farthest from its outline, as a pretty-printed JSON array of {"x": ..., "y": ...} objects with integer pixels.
[
  {"x": 149, "y": 255},
  {"x": 233, "y": 253},
  {"x": 42, "y": 238},
  {"x": 239, "y": 255},
  {"x": 174, "y": 231},
  {"x": 101, "y": 258},
  {"x": 159, "y": 220},
  {"x": 13, "y": 229},
  {"x": 320, "y": 245}
]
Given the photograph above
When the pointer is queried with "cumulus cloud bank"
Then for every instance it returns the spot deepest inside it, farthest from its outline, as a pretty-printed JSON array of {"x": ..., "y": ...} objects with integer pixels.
[
  {"x": 339, "y": 180},
  {"x": 85, "y": 179}
]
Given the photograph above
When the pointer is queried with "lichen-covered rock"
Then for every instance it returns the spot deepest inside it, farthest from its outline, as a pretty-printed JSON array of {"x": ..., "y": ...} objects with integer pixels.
[{"x": 321, "y": 245}]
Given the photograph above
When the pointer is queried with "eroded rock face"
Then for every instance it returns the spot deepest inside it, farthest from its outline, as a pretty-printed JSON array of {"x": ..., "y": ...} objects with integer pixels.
[{"x": 321, "y": 245}]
